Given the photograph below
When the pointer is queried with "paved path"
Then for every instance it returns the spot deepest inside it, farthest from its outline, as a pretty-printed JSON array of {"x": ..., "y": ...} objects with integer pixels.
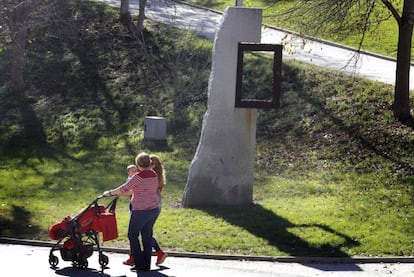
[
  {"x": 328, "y": 55},
  {"x": 26, "y": 260}
]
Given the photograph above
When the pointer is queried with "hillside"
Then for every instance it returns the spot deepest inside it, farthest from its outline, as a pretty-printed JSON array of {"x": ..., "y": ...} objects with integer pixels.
[{"x": 334, "y": 171}]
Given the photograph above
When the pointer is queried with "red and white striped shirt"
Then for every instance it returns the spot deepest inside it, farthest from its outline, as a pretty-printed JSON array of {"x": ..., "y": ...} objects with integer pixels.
[{"x": 144, "y": 187}]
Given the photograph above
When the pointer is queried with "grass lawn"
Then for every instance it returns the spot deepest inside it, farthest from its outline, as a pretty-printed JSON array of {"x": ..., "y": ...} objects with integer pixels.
[
  {"x": 310, "y": 198},
  {"x": 322, "y": 213}
]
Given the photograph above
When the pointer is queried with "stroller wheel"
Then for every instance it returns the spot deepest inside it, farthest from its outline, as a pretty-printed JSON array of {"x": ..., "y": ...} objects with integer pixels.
[
  {"x": 80, "y": 262},
  {"x": 53, "y": 260},
  {"x": 83, "y": 263},
  {"x": 103, "y": 259},
  {"x": 75, "y": 263}
]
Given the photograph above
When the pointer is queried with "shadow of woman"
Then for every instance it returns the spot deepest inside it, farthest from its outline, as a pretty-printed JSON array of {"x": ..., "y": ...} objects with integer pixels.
[
  {"x": 88, "y": 272},
  {"x": 265, "y": 224}
]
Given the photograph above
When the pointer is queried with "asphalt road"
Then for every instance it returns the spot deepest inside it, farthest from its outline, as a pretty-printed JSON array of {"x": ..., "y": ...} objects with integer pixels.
[
  {"x": 30, "y": 260},
  {"x": 313, "y": 51}
]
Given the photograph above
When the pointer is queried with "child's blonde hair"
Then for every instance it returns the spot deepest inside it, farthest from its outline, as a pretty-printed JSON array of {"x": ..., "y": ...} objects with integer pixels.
[
  {"x": 159, "y": 169},
  {"x": 131, "y": 166}
]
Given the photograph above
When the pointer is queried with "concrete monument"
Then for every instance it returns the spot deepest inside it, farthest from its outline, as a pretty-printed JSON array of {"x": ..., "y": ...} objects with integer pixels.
[{"x": 221, "y": 172}]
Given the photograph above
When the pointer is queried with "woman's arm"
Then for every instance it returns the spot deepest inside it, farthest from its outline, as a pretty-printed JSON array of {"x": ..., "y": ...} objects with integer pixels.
[{"x": 113, "y": 192}]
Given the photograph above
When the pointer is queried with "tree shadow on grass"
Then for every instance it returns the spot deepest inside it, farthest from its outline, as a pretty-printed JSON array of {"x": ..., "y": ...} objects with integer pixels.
[
  {"x": 19, "y": 224},
  {"x": 265, "y": 224}
]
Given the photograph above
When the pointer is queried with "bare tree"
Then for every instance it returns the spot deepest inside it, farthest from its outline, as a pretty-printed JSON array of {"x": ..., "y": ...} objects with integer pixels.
[
  {"x": 18, "y": 31},
  {"x": 405, "y": 22},
  {"x": 126, "y": 19},
  {"x": 342, "y": 17},
  {"x": 125, "y": 15},
  {"x": 141, "y": 15},
  {"x": 16, "y": 17}
]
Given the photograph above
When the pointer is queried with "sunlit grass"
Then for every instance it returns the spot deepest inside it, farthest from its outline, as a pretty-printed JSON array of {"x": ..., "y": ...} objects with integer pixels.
[{"x": 309, "y": 212}]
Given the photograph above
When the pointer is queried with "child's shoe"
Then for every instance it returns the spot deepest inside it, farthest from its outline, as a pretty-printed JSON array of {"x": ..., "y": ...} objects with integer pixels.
[
  {"x": 130, "y": 261},
  {"x": 160, "y": 257}
]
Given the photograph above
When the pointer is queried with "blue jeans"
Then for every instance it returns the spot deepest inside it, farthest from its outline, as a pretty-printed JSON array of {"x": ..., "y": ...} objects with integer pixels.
[
  {"x": 155, "y": 245},
  {"x": 142, "y": 222}
]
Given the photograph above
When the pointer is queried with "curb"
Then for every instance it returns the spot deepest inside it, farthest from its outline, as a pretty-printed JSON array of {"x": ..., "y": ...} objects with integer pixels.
[{"x": 281, "y": 259}]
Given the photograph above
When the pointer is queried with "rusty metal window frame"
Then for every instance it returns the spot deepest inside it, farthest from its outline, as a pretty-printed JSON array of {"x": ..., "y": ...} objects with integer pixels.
[{"x": 274, "y": 100}]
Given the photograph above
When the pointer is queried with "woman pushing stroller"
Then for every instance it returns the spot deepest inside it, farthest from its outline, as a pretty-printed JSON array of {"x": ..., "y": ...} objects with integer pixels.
[{"x": 145, "y": 208}]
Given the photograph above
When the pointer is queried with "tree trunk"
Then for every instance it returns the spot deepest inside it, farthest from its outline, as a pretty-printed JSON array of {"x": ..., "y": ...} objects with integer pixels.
[
  {"x": 18, "y": 26},
  {"x": 126, "y": 18},
  {"x": 125, "y": 15},
  {"x": 33, "y": 128},
  {"x": 141, "y": 16},
  {"x": 401, "y": 105}
]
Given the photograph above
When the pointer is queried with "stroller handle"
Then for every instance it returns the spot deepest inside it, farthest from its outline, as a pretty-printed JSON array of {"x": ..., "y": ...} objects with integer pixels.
[
  {"x": 111, "y": 205},
  {"x": 104, "y": 196}
]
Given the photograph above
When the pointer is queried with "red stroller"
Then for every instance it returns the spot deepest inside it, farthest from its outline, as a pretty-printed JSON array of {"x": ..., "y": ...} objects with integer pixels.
[{"x": 79, "y": 234}]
